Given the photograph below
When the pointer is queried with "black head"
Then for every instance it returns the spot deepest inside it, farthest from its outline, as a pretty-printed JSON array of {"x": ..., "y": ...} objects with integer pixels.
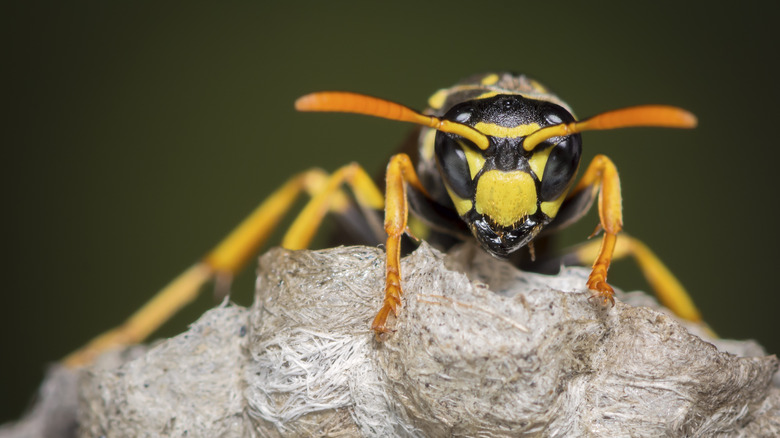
[{"x": 505, "y": 193}]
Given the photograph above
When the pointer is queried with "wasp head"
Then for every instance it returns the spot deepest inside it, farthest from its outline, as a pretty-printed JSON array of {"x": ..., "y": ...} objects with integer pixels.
[{"x": 505, "y": 194}]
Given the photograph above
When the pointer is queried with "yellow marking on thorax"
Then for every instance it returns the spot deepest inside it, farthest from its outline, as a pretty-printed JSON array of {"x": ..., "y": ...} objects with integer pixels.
[
  {"x": 506, "y": 197},
  {"x": 487, "y": 95},
  {"x": 539, "y": 88},
  {"x": 462, "y": 206},
  {"x": 490, "y": 79},
  {"x": 538, "y": 160},
  {"x": 475, "y": 160},
  {"x": 503, "y": 131},
  {"x": 436, "y": 101},
  {"x": 428, "y": 144}
]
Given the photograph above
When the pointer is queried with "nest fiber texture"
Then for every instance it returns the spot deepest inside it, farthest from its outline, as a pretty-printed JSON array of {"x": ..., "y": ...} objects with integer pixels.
[
  {"x": 481, "y": 349},
  {"x": 528, "y": 355}
]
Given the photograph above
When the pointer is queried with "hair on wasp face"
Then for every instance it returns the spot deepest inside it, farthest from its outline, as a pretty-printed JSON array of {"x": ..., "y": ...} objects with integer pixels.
[{"x": 504, "y": 192}]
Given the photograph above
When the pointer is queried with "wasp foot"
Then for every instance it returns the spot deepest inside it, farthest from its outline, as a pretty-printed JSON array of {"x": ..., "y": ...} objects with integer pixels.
[
  {"x": 392, "y": 304},
  {"x": 601, "y": 289}
]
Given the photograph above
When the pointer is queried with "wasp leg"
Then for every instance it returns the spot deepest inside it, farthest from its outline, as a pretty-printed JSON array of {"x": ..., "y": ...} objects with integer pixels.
[
  {"x": 400, "y": 171},
  {"x": 301, "y": 232},
  {"x": 224, "y": 261},
  {"x": 601, "y": 176},
  {"x": 666, "y": 286}
]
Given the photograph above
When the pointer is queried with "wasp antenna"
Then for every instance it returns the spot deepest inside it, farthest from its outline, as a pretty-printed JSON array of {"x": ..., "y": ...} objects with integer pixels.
[
  {"x": 635, "y": 116},
  {"x": 346, "y": 102}
]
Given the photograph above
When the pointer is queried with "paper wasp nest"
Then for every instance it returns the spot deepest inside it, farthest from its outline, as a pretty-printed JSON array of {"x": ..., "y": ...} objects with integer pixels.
[{"x": 528, "y": 355}]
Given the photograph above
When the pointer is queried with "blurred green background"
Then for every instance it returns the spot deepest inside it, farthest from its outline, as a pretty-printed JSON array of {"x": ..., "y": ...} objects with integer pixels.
[{"x": 137, "y": 134}]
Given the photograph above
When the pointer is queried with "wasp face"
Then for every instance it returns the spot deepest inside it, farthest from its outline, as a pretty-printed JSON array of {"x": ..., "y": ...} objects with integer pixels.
[{"x": 505, "y": 194}]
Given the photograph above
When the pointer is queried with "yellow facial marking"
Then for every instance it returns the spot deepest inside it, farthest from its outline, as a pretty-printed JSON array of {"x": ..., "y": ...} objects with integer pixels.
[
  {"x": 490, "y": 79},
  {"x": 428, "y": 144},
  {"x": 503, "y": 131},
  {"x": 506, "y": 197},
  {"x": 462, "y": 206},
  {"x": 437, "y": 100},
  {"x": 550, "y": 208},
  {"x": 475, "y": 160},
  {"x": 538, "y": 160}
]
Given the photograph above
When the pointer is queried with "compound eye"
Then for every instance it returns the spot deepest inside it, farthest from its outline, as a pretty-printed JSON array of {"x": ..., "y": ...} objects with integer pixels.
[
  {"x": 453, "y": 165},
  {"x": 561, "y": 167}
]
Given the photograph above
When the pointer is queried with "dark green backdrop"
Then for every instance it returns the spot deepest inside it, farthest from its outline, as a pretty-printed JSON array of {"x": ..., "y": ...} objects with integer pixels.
[{"x": 139, "y": 133}]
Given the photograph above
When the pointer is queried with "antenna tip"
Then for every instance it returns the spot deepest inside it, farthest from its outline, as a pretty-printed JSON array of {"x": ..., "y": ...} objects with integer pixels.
[
  {"x": 305, "y": 103},
  {"x": 689, "y": 119}
]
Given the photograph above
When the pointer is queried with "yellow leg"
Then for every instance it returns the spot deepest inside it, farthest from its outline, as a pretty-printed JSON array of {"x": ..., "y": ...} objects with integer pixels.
[
  {"x": 227, "y": 258},
  {"x": 304, "y": 227},
  {"x": 666, "y": 286},
  {"x": 602, "y": 175},
  {"x": 147, "y": 319},
  {"x": 400, "y": 171}
]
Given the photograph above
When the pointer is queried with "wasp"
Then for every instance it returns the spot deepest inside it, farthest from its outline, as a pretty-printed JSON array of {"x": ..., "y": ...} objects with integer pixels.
[{"x": 494, "y": 160}]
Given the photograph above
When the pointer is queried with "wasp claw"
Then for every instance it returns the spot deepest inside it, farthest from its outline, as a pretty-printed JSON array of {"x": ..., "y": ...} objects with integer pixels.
[
  {"x": 392, "y": 305},
  {"x": 605, "y": 299},
  {"x": 602, "y": 291}
]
